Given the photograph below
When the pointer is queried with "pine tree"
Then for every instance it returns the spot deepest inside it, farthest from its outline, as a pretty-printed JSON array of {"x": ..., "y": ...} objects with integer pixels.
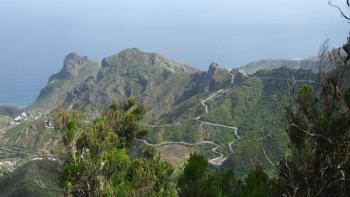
[
  {"x": 96, "y": 162},
  {"x": 319, "y": 131},
  {"x": 192, "y": 181}
]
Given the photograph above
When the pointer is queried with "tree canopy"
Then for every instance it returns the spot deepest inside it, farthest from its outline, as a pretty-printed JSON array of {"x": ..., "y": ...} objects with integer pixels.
[
  {"x": 319, "y": 132},
  {"x": 96, "y": 162}
]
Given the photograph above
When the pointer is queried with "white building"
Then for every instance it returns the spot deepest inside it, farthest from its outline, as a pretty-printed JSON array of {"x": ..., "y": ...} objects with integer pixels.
[{"x": 21, "y": 117}]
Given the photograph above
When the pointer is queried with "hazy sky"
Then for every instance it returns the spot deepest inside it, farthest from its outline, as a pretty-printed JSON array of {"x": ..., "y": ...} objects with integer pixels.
[
  {"x": 197, "y": 32},
  {"x": 35, "y": 35}
]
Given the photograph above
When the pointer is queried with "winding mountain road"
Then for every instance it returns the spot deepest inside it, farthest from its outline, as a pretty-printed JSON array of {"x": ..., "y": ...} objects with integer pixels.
[
  {"x": 180, "y": 143},
  {"x": 293, "y": 80},
  {"x": 218, "y": 125},
  {"x": 217, "y": 161},
  {"x": 47, "y": 125}
]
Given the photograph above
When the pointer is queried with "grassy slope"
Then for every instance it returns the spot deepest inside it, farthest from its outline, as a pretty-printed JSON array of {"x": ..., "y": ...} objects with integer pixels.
[
  {"x": 33, "y": 179},
  {"x": 263, "y": 128},
  {"x": 253, "y": 104},
  {"x": 34, "y": 135},
  {"x": 5, "y": 121}
]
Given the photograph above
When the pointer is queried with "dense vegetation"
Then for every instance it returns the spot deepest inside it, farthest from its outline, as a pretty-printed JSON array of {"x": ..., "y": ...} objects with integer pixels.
[
  {"x": 32, "y": 179},
  {"x": 318, "y": 128},
  {"x": 198, "y": 180},
  {"x": 96, "y": 162},
  {"x": 319, "y": 132}
]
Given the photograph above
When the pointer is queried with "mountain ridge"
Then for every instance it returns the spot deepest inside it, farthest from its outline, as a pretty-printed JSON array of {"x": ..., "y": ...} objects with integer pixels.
[
  {"x": 146, "y": 58},
  {"x": 310, "y": 63}
]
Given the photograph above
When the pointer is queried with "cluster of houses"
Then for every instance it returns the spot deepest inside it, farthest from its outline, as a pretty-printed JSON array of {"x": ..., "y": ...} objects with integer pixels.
[{"x": 24, "y": 116}]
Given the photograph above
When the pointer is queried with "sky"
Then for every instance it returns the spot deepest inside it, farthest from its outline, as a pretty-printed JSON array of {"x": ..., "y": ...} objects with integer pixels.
[{"x": 35, "y": 35}]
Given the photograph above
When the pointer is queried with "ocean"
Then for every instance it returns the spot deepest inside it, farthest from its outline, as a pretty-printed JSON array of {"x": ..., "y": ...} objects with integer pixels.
[
  {"x": 35, "y": 35},
  {"x": 20, "y": 85}
]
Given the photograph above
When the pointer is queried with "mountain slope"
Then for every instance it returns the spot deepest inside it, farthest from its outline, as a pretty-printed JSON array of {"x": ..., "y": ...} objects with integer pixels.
[
  {"x": 153, "y": 80},
  {"x": 33, "y": 179},
  {"x": 75, "y": 70},
  {"x": 262, "y": 127},
  {"x": 226, "y": 115},
  {"x": 255, "y": 105}
]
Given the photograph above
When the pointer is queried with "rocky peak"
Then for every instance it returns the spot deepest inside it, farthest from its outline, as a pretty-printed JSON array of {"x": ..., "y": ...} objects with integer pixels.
[
  {"x": 134, "y": 57},
  {"x": 212, "y": 68},
  {"x": 122, "y": 57},
  {"x": 130, "y": 52},
  {"x": 73, "y": 63}
]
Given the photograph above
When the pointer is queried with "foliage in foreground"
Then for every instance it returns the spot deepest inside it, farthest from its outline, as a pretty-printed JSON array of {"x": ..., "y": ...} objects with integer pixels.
[
  {"x": 319, "y": 132},
  {"x": 95, "y": 158},
  {"x": 96, "y": 162},
  {"x": 198, "y": 180}
]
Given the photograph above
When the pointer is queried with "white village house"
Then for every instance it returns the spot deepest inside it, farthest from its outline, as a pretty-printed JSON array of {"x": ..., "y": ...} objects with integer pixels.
[{"x": 21, "y": 117}]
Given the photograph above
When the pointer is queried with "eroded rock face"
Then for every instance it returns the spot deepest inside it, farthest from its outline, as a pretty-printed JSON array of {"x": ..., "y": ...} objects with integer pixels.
[
  {"x": 84, "y": 91},
  {"x": 73, "y": 63},
  {"x": 212, "y": 68},
  {"x": 76, "y": 69},
  {"x": 214, "y": 78}
]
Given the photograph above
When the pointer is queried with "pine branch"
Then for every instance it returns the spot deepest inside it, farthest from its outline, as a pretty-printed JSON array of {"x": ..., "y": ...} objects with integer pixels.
[
  {"x": 339, "y": 9},
  {"x": 311, "y": 134}
]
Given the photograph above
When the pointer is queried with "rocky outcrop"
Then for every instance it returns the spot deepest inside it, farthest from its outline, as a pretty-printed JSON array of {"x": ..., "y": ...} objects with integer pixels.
[
  {"x": 135, "y": 57},
  {"x": 75, "y": 70},
  {"x": 154, "y": 80},
  {"x": 72, "y": 65},
  {"x": 83, "y": 92},
  {"x": 214, "y": 78},
  {"x": 212, "y": 69}
]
